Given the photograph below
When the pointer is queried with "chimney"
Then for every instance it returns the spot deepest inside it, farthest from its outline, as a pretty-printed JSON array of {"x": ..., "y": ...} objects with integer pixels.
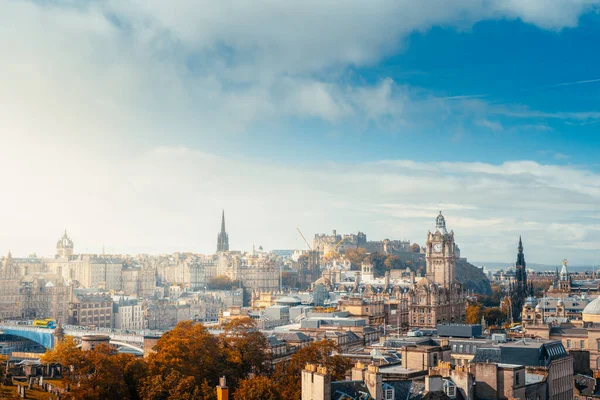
[
  {"x": 358, "y": 372},
  {"x": 374, "y": 382},
  {"x": 222, "y": 389},
  {"x": 433, "y": 383}
]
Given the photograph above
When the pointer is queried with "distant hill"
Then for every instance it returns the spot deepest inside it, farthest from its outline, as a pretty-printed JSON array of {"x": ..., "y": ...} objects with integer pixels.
[
  {"x": 535, "y": 267},
  {"x": 472, "y": 277}
]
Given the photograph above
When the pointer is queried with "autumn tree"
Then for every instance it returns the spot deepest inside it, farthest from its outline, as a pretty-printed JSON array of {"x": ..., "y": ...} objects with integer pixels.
[
  {"x": 100, "y": 373},
  {"x": 188, "y": 350},
  {"x": 220, "y": 282},
  {"x": 245, "y": 349},
  {"x": 415, "y": 248},
  {"x": 320, "y": 353},
  {"x": 355, "y": 256},
  {"x": 257, "y": 388},
  {"x": 474, "y": 313}
]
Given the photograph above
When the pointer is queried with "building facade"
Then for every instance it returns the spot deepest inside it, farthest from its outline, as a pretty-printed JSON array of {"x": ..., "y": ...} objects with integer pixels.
[{"x": 438, "y": 297}]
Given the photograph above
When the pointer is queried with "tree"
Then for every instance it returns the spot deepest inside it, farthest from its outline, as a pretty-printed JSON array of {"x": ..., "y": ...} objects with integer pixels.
[
  {"x": 96, "y": 374},
  {"x": 355, "y": 256},
  {"x": 378, "y": 261},
  {"x": 289, "y": 279},
  {"x": 220, "y": 282},
  {"x": 244, "y": 349},
  {"x": 415, "y": 248},
  {"x": 189, "y": 350},
  {"x": 474, "y": 313},
  {"x": 392, "y": 262},
  {"x": 257, "y": 388},
  {"x": 494, "y": 316},
  {"x": 320, "y": 353}
]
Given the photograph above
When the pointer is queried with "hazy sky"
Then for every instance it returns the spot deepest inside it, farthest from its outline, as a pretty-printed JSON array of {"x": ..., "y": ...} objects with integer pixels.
[{"x": 133, "y": 123}]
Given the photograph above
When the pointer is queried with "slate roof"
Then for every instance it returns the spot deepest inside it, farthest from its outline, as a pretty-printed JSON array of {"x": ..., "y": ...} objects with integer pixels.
[
  {"x": 487, "y": 355},
  {"x": 354, "y": 390},
  {"x": 357, "y": 390}
]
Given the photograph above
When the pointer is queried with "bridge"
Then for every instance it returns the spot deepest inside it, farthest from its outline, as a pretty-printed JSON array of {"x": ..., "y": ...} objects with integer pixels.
[{"x": 45, "y": 336}]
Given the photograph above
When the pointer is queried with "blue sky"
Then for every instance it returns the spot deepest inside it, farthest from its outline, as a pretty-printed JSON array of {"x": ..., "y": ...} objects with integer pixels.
[{"x": 133, "y": 123}]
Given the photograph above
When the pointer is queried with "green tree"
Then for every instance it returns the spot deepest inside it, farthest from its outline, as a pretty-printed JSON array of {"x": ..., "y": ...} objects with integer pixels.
[
  {"x": 378, "y": 261},
  {"x": 494, "y": 316},
  {"x": 392, "y": 262}
]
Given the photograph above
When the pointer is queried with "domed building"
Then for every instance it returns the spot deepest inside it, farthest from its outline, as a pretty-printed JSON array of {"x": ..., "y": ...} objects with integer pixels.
[
  {"x": 64, "y": 246},
  {"x": 591, "y": 312}
]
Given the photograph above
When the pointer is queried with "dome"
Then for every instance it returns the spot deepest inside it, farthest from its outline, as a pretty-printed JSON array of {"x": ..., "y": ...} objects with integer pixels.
[
  {"x": 560, "y": 303},
  {"x": 538, "y": 307},
  {"x": 591, "y": 312},
  {"x": 440, "y": 223},
  {"x": 288, "y": 300},
  {"x": 530, "y": 301}
]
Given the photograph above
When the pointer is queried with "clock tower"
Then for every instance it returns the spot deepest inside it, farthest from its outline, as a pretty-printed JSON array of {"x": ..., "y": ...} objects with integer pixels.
[{"x": 440, "y": 254}]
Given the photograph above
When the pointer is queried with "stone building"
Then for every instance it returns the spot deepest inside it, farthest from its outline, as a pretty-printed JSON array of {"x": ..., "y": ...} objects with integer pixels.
[
  {"x": 45, "y": 295},
  {"x": 525, "y": 369},
  {"x": 89, "y": 270},
  {"x": 10, "y": 283},
  {"x": 139, "y": 281},
  {"x": 128, "y": 315},
  {"x": 90, "y": 309},
  {"x": 438, "y": 297}
]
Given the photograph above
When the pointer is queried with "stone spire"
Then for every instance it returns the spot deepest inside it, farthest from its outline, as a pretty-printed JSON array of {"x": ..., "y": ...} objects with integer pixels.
[{"x": 222, "y": 238}]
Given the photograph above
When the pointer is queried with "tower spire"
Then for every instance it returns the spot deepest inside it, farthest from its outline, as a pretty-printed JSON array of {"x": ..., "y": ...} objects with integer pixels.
[
  {"x": 223, "y": 222},
  {"x": 222, "y": 238}
]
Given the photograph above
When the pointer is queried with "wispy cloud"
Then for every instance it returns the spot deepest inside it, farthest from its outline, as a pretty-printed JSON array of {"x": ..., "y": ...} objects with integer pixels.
[{"x": 570, "y": 83}]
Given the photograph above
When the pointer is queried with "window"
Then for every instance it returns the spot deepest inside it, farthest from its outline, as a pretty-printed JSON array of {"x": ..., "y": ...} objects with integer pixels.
[
  {"x": 468, "y": 348},
  {"x": 568, "y": 343},
  {"x": 582, "y": 344},
  {"x": 389, "y": 394},
  {"x": 454, "y": 348},
  {"x": 516, "y": 378}
]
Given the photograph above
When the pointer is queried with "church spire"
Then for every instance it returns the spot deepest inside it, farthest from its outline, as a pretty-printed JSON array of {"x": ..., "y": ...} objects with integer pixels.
[{"x": 222, "y": 238}]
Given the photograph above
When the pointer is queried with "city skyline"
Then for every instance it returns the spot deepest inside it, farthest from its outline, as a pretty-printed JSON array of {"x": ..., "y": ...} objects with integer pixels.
[{"x": 132, "y": 125}]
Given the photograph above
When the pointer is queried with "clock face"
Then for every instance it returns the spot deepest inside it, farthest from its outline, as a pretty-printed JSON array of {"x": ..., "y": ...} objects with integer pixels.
[{"x": 437, "y": 247}]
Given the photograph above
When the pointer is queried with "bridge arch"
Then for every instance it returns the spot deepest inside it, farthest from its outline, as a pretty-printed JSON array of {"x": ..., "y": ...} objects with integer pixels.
[{"x": 43, "y": 338}]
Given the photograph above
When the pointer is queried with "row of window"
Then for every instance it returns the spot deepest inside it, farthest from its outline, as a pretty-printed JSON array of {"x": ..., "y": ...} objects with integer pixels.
[
  {"x": 464, "y": 349},
  {"x": 573, "y": 344}
]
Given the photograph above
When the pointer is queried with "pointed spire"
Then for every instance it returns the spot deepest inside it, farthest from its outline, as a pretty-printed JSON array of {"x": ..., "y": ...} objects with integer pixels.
[{"x": 223, "y": 222}]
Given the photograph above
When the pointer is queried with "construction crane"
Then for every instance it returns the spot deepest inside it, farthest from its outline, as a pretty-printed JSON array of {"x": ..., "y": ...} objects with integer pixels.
[
  {"x": 305, "y": 241},
  {"x": 333, "y": 248}
]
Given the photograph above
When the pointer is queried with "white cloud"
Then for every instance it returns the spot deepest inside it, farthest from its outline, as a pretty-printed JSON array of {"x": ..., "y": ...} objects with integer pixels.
[
  {"x": 91, "y": 89},
  {"x": 169, "y": 199}
]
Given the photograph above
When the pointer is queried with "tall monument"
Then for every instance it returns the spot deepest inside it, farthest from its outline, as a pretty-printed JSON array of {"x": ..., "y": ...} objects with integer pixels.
[
  {"x": 222, "y": 238},
  {"x": 520, "y": 291}
]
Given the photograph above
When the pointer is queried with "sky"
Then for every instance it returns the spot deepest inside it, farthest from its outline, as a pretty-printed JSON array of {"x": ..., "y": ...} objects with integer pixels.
[{"x": 132, "y": 124}]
